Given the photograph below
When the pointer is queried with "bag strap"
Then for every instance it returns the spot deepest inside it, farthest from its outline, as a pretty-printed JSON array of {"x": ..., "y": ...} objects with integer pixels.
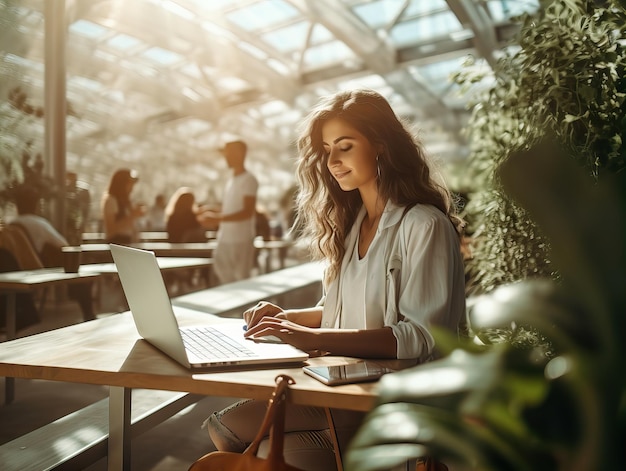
[{"x": 274, "y": 421}]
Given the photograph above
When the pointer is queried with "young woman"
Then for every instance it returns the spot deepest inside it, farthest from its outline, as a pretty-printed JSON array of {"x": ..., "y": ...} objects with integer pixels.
[
  {"x": 183, "y": 217},
  {"x": 387, "y": 228},
  {"x": 119, "y": 215}
]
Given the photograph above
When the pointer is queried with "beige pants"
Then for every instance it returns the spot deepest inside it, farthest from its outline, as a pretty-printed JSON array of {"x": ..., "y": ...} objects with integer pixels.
[{"x": 308, "y": 444}]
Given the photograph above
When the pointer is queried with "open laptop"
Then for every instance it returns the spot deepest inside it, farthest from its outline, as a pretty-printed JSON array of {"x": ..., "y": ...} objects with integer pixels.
[{"x": 156, "y": 322}]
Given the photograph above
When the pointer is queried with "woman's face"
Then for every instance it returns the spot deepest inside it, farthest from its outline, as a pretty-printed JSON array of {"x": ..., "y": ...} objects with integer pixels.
[{"x": 351, "y": 157}]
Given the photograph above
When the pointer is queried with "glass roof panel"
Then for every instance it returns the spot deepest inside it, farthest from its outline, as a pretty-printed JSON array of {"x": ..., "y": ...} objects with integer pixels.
[
  {"x": 260, "y": 15},
  {"x": 123, "y": 42},
  {"x": 500, "y": 10},
  {"x": 320, "y": 34},
  {"x": 290, "y": 38},
  {"x": 425, "y": 29},
  {"x": 379, "y": 13},
  {"x": 88, "y": 29},
  {"x": 420, "y": 8},
  {"x": 162, "y": 56},
  {"x": 327, "y": 54}
]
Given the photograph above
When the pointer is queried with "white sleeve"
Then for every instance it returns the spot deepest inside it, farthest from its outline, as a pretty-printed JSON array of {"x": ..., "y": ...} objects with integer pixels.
[{"x": 428, "y": 285}]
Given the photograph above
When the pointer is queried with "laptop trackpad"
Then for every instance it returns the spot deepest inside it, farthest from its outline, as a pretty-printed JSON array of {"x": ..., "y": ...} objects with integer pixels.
[{"x": 266, "y": 339}]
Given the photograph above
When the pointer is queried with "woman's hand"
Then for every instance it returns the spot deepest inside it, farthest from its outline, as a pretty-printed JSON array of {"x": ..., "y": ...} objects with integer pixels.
[
  {"x": 289, "y": 332},
  {"x": 263, "y": 309}
]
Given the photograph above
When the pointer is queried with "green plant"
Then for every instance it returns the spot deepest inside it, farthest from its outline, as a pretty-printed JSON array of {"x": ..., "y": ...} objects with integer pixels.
[
  {"x": 502, "y": 407},
  {"x": 565, "y": 76}
]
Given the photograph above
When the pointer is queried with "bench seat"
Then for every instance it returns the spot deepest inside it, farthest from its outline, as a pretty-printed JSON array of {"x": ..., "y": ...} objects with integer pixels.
[{"x": 81, "y": 437}]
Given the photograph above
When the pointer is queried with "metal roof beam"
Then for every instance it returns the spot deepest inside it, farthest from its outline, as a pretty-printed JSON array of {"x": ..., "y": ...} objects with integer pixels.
[
  {"x": 471, "y": 14},
  {"x": 377, "y": 54}
]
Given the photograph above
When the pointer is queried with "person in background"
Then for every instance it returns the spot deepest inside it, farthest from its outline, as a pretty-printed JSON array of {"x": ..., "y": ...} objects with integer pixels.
[
  {"x": 48, "y": 242},
  {"x": 155, "y": 218},
  {"x": 119, "y": 214},
  {"x": 184, "y": 218},
  {"x": 234, "y": 254},
  {"x": 389, "y": 233},
  {"x": 78, "y": 208}
]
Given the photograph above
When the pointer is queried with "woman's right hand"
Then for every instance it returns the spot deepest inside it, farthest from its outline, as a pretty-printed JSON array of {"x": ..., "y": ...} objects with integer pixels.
[{"x": 263, "y": 309}]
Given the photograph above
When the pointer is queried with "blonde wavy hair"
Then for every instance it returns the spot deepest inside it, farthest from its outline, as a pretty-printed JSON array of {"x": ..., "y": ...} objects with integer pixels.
[{"x": 326, "y": 212}]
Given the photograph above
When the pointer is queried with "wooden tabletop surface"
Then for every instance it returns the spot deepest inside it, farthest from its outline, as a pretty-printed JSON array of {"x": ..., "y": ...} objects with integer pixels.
[{"x": 109, "y": 351}]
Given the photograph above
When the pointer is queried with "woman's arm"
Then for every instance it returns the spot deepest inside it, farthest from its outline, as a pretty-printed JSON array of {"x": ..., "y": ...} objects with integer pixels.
[{"x": 368, "y": 343}]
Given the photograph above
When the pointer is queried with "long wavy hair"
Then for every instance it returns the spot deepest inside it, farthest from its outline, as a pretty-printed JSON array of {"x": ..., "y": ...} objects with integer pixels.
[
  {"x": 326, "y": 212},
  {"x": 182, "y": 201},
  {"x": 118, "y": 188}
]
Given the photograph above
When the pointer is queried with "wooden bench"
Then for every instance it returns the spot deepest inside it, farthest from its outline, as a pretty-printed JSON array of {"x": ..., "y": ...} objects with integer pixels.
[{"x": 81, "y": 437}]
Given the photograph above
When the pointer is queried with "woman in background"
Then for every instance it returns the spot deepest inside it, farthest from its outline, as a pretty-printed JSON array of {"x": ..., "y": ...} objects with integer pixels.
[
  {"x": 183, "y": 216},
  {"x": 119, "y": 214}
]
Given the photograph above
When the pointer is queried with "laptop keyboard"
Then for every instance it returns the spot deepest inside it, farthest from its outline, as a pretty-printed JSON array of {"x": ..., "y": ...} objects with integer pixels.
[{"x": 207, "y": 342}]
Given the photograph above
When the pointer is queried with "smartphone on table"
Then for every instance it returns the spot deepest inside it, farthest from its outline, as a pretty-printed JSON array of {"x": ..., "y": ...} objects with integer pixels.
[{"x": 358, "y": 372}]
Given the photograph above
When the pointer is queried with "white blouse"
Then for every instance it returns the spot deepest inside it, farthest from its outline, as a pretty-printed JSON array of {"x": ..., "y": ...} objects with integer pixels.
[{"x": 412, "y": 277}]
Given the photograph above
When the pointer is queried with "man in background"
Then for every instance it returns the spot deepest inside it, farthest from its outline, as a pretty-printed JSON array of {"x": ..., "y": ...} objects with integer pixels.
[
  {"x": 48, "y": 242},
  {"x": 234, "y": 255}
]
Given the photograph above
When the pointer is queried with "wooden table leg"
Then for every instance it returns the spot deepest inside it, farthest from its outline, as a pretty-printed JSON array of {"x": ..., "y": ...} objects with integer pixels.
[
  {"x": 9, "y": 383},
  {"x": 119, "y": 428}
]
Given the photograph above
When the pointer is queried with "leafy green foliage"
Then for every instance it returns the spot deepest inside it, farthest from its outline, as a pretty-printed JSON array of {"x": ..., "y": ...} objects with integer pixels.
[
  {"x": 566, "y": 78},
  {"x": 503, "y": 407}
]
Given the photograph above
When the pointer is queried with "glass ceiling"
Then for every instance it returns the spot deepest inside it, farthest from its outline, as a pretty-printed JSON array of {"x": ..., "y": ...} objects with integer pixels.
[{"x": 158, "y": 84}]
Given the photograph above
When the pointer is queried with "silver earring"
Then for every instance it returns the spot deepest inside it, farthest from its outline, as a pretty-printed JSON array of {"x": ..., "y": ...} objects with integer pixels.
[{"x": 378, "y": 166}]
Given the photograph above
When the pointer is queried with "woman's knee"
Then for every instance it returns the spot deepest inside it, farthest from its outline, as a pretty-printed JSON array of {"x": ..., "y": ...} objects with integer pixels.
[{"x": 234, "y": 427}]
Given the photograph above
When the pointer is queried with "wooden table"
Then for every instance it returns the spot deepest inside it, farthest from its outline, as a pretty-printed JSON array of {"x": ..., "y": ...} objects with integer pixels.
[
  {"x": 112, "y": 354},
  {"x": 24, "y": 281},
  {"x": 100, "y": 252},
  {"x": 144, "y": 236},
  {"x": 166, "y": 264},
  {"x": 278, "y": 246}
]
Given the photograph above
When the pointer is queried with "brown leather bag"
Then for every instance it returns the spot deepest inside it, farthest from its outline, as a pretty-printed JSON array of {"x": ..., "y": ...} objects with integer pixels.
[
  {"x": 430, "y": 464},
  {"x": 274, "y": 423}
]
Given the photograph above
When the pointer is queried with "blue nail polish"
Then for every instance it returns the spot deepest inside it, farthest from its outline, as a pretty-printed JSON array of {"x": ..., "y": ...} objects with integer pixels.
[{"x": 245, "y": 327}]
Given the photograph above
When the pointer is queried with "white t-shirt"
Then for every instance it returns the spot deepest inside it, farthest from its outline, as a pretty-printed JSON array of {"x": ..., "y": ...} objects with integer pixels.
[{"x": 237, "y": 188}]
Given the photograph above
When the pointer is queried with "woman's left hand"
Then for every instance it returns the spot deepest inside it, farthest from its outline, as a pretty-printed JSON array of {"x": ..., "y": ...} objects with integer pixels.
[{"x": 304, "y": 338}]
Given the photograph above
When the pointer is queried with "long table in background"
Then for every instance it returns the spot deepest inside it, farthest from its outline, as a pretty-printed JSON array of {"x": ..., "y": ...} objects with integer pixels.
[
  {"x": 100, "y": 253},
  {"x": 144, "y": 236}
]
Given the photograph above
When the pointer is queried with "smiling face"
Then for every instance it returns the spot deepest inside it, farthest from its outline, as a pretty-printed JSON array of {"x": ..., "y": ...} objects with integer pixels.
[{"x": 351, "y": 156}]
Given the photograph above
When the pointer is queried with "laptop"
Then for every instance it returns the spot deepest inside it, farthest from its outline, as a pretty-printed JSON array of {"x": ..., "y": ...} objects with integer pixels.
[{"x": 203, "y": 346}]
